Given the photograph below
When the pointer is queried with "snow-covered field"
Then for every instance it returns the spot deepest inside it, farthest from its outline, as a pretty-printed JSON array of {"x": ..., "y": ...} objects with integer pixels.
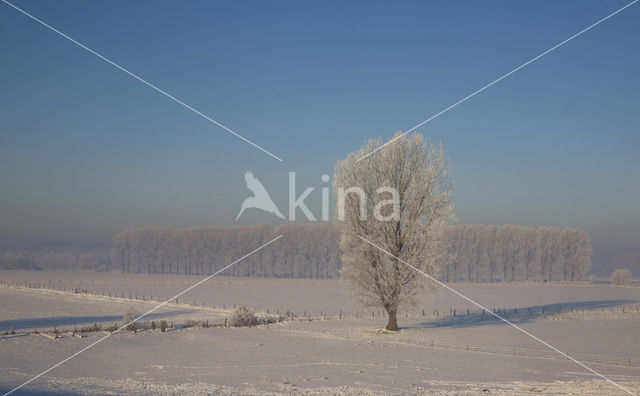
[{"x": 333, "y": 349}]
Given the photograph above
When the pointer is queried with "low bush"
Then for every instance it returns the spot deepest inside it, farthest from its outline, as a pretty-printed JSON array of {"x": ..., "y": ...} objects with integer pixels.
[
  {"x": 621, "y": 277},
  {"x": 242, "y": 317}
]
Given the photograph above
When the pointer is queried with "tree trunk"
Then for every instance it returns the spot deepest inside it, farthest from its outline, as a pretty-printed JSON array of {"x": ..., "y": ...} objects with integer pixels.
[{"x": 392, "y": 324}]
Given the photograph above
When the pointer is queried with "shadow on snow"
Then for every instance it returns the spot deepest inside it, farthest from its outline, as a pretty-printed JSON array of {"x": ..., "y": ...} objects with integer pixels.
[
  {"x": 519, "y": 314},
  {"x": 59, "y": 321}
]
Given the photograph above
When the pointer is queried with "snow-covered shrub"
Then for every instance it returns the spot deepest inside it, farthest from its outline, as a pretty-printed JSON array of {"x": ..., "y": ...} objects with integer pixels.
[
  {"x": 242, "y": 317},
  {"x": 129, "y": 315},
  {"x": 621, "y": 277}
]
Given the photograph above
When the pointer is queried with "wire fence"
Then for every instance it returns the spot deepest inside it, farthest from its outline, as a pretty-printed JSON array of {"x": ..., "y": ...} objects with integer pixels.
[{"x": 461, "y": 317}]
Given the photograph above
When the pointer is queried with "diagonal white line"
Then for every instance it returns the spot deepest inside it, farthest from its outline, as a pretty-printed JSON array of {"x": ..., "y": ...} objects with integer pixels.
[
  {"x": 143, "y": 81},
  {"x": 499, "y": 79},
  {"x": 143, "y": 315},
  {"x": 494, "y": 314}
]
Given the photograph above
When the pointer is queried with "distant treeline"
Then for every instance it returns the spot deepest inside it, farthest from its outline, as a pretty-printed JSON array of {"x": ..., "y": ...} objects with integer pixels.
[
  {"x": 304, "y": 251},
  {"x": 311, "y": 250},
  {"x": 57, "y": 259},
  {"x": 509, "y": 253},
  {"x": 470, "y": 252}
]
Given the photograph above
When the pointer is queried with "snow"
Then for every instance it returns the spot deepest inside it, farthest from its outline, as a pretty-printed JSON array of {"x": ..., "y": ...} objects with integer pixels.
[{"x": 319, "y": 356}]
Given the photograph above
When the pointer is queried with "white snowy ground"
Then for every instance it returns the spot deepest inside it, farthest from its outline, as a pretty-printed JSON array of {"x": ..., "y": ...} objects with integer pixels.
[
  {"x": 316, "y": 296},
  {"x": 320, "y": 356}
]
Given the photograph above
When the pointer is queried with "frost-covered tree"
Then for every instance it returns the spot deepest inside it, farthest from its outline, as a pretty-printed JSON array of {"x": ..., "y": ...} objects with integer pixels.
[
  {"x": 417, "y": 170},
  {"x": 472, "y": 244},
  {"x": 492, "y": 249},
  {"x": 128, "y": 317},
  {"x": 528, "y": 252},
  {"x": 580, "y": 258},
  {"x": 509, "y": 248},
  {"x": 544, "y": 240},
  {"x": 450, "y": 252},
  {"x": 621, "y": 277}
]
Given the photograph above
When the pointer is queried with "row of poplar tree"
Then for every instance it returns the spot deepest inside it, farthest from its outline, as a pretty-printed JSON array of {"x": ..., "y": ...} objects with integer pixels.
[{"x": 311, "y": 250}]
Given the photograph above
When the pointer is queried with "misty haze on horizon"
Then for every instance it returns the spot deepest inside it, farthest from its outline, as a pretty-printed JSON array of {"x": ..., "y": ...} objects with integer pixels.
[{"x": 86, "y": 151}]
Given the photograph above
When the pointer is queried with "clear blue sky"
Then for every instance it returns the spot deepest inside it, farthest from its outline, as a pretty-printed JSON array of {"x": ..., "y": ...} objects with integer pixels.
[{"x": 86, "y": 151}]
